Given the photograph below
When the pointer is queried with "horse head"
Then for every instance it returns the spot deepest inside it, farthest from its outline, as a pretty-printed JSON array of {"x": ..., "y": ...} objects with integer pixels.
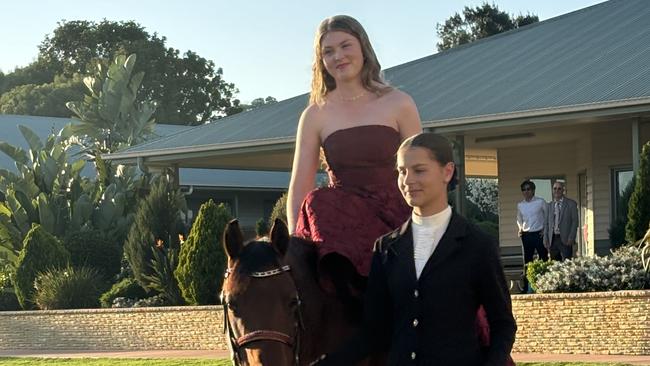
[{"x": 262, "y": 312}]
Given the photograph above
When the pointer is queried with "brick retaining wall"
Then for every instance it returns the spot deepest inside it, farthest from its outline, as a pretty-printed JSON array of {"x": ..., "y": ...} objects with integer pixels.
[
  {"x": 164, "y": 328},
  {"x": 597, "y": 323}
]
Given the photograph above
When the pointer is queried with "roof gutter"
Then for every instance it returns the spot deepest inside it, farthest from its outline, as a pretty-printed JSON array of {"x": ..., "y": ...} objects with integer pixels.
[{"x": 540, "y": 116}]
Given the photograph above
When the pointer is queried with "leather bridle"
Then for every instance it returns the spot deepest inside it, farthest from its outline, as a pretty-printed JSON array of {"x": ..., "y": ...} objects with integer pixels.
[{"x": 238, "y": 342}]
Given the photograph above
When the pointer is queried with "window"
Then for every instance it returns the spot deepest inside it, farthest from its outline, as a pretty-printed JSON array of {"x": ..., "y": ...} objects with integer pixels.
[
  {"x": 544, "y": 185},
  {"x": 621, "y": 190}
]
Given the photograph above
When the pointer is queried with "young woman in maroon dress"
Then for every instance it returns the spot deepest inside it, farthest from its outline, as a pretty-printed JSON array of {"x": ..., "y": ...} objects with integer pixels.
[{"x": 358, "y": 121}]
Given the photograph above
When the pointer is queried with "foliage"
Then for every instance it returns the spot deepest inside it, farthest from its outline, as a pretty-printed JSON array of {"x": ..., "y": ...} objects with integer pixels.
[
  {"x": 153, "y": 301},
  {"x": 162, "y": 280},
  {"x": 41, "y": 251},
  {"x": 188, "y": 88},
  {"x": 476, "y": 23},
  {"x": 7, "y": 274},
  {"x": 46, "y": 99},
  {"x": 623, "y": 270},
  {"x": 68, "y": 288},
  {"x": 202, "y": 258},
  {"x": 639, "y": 207},
  {"x": 484, "y": 193},
  {"x": 46, "y": 190},
  {"x": 110, "y": 115},
  {"x": 279, "y": 210},
  {"x": 50, "y": 191},
  {"x": 90, "y": 248},
  {"x": 261, "y": 228},
  {"x": 157, "y": 224},
  {"x": 617, "y": 227},
  {"x": 126, "y": 288},
  {"x": 8, "y": 300},
  {"x": 644, "y": 247},
  {"x": 535, "y": 269},
  {"x": 256, "y": 103}
]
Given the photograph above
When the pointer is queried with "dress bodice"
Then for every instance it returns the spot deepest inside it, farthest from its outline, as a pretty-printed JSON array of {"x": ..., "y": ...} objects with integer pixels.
[{"x": 362, "y": 156}]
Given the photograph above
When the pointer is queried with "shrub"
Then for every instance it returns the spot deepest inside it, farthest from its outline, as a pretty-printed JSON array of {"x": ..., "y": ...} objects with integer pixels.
[
  {"x": 261, "y": 228},
  {"x": 41, "y": 251},
  {"x": 8, "y": 300},
  {"x": 6, "y": 277},
  {"x": 68, "y": 288},
  {"x": 152, "y": 301},
  {"x": 639, "y": 205},
  {"x": 621, "y": 271},
  {"x": 535, "y": 269},
  {"x": 202, "y": 259},
  {"x": 126, "y": 288},
  {"x": 92, "y": 249},
  {"x": 157, "y": 223},
  {"x": 279, "y": 210}
]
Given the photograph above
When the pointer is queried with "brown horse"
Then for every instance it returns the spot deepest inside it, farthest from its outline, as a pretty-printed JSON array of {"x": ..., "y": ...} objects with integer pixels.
[{"x": 275, "y": 311}]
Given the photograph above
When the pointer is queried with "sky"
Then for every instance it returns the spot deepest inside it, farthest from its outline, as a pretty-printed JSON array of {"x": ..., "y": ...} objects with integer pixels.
[{"x": 264, "y": 47}]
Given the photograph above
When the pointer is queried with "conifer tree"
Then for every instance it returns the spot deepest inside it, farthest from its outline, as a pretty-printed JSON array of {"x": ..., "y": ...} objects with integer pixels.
[
  {"x": 639, "y": 207},
  {"x": 202, "y": 259},
  {"x": 157, "y": 226},
  {"x": 41, "y": 252}
]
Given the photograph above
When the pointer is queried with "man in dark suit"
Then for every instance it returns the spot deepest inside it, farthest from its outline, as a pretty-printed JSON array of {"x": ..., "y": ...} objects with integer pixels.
[
  {"x": 430, "y": 276},
  {"x": 561, "y": 224}
]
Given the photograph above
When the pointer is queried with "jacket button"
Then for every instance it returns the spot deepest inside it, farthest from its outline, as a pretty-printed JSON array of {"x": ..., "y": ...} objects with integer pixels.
[
  {"x": 415, "y": 323},
  {"x": 416, "y": 294},
  {"x": 412, "y": 355}
]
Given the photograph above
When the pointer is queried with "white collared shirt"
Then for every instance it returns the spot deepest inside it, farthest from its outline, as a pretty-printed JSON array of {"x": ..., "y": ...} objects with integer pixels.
[
  {"x": 531, "y": 215},
  {"x": 427, "y": 232}
]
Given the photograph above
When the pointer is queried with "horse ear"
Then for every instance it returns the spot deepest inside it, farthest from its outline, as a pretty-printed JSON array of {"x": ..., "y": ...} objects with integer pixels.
[
  {"x": 280, "y": 236},
  {"x": 233, "y": 240}
]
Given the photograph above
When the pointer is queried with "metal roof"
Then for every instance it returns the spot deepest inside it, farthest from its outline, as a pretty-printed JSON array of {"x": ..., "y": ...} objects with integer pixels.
[
  {"x": 43, "y": 126},
  {"x": 593, "y": 59}
]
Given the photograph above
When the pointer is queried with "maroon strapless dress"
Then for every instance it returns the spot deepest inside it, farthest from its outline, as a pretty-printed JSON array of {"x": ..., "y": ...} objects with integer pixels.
[{"x": 361, "y": 202}]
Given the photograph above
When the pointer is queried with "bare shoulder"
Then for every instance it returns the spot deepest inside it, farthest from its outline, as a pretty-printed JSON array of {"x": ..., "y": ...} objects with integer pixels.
[
  {"x": 399, "y": 98},
  {"x": 312, "y": 117}
]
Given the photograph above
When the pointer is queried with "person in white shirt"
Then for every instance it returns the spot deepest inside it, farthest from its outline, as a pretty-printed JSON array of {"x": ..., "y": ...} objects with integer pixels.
[{"x": 531, "y": 221}]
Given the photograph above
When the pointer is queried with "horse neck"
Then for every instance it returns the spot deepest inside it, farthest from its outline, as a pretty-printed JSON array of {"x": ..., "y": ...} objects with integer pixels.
[{"x": 323, "y": 317}]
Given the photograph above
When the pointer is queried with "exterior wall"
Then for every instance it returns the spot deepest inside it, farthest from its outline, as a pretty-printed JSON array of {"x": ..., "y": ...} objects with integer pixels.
[
  {"x": 246, "y": 205},
  {"x": 167, "y": 328},
  {"x": 602, "y": 147},
  {"x": 612, "y": 148},
  {"x": 598, "y": 323},
  {"x": 517, "y": 164}
]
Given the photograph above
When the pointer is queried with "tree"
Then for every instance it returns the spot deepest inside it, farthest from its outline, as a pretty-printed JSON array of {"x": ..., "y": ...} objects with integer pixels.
[
  {"x": 47, "y": 99},
  {"x": 255, "y": 103},
  {"x": 638, "y": 213},
  {"x": 476, "y": 23},
  {"x": 202, "y": 259},
  {"x": 188, "y": 89},
  {"x": 156, "y": 228}
]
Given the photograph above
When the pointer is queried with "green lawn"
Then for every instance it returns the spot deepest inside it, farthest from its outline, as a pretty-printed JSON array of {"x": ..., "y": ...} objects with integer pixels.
[
  {"x": 192, "y": 362},
  {"x": 110, "y": 362}
]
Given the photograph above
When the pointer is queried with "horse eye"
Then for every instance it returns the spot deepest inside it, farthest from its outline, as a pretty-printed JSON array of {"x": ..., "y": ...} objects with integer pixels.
[{"x": 294, "y": 303}]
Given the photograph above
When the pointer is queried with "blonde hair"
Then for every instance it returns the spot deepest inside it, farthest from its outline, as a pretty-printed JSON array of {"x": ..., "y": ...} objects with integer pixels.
[{"x": 371, "y": 76}]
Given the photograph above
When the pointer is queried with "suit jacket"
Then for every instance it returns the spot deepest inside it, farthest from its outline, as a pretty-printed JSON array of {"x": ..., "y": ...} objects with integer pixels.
[
  {"x": 431, "y": 320},
  {"x": 568, "y": 221}
]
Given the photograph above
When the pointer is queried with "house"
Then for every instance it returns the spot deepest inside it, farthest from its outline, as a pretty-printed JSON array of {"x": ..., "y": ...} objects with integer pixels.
[
  {"x": 249, "y": 195},
  {"x": 567, "y": 98}
]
